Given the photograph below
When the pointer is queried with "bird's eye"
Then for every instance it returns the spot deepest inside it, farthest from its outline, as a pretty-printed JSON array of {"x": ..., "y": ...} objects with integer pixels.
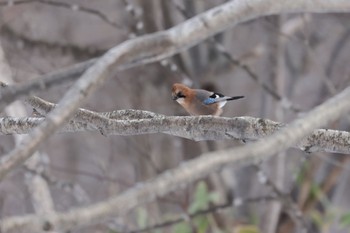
[{"x": 180, "y": 95}]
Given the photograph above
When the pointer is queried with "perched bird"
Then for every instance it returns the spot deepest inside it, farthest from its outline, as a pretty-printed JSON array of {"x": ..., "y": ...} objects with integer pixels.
[{"x": 200, "y": 102}]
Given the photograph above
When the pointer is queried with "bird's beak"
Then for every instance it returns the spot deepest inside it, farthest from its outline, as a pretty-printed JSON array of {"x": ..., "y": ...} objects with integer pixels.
[{"x": 175, "y": 97}]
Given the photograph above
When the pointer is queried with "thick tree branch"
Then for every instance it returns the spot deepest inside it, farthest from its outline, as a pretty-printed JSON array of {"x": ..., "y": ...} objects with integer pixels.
[
  {"x": 209, "y": 128},
  {"x": 195, "y": 128}
]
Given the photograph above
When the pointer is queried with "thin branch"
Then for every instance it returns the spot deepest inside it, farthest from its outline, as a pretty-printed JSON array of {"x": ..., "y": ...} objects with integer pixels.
[
  {"x": 86, "y": 173},
  {"x": 291, "y": 207},
  {"x": 138, "y": 29},
  {"x": 209, "y": 210},
  {"x": 338, "y": 48},
  {"x": 79, "y": 53},
  {"x": 73, "y": 7},
  {"x": 13, "y": 92},
  {"x": 220, "y": 47}
]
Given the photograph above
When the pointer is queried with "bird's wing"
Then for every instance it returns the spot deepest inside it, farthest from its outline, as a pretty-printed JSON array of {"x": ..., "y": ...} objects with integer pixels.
[{"x": 207, "y": 97}]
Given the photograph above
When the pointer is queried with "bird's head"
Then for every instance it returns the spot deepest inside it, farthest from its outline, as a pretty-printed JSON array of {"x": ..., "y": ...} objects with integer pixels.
[{"x": 179, "y": 92}]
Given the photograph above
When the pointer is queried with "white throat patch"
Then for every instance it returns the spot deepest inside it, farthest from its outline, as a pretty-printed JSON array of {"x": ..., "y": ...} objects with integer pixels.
[{"x": 181, "y": 100}]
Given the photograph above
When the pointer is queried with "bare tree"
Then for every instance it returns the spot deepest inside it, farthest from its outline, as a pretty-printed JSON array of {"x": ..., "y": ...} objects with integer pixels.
[{"x": 262, "y": 138}]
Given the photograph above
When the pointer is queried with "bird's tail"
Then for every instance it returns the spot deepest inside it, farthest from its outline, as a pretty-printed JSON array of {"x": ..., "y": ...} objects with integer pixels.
[{"x": 235, "y": 97}]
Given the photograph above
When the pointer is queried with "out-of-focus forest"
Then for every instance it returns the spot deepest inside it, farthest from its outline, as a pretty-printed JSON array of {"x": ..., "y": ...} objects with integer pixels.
[{"x": 284, "y": 65}]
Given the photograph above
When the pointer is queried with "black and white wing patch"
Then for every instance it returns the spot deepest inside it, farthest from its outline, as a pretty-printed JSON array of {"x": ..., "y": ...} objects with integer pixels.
[{"x": 214, "y": 98}]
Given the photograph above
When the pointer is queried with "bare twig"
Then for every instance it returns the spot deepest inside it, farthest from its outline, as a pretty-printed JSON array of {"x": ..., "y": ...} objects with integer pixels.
[
  {"x": 73, "y": 7},
  {"x": 291, "y": 207},
  {"x": 209, "y": 210},
  {"x": 338, "y": 48},
  {"x": 86, "y": 173},
  {"x": 139, "y": 29},
  {"x": 13, "y": 92},
  {"x": 80, "y": 53}
]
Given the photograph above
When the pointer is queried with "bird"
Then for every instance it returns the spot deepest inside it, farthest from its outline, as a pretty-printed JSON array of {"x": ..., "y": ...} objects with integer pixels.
[{"x": 200, "y": 102}]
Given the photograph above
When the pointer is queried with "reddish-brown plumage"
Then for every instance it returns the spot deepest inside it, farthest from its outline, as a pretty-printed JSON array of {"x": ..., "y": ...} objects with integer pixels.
[{"x": 191, "y": 103}]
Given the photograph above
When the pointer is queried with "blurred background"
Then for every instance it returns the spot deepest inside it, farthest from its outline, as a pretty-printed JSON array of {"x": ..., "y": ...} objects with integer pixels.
[{"x": 285, "y": 65}]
